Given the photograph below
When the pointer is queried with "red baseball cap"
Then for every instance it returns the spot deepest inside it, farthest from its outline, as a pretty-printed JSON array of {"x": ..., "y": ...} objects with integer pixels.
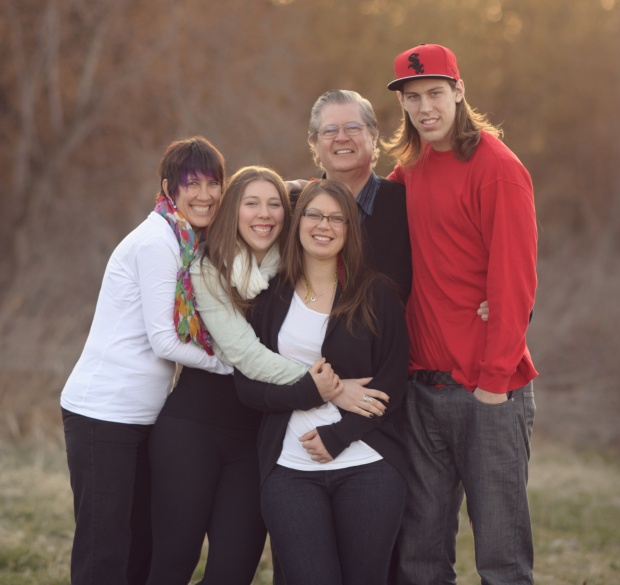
[{"x": 424, "y": 61}]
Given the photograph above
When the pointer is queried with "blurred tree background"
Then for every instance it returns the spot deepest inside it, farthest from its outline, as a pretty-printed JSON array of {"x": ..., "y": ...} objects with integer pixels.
[{"x": 92, "y": 91}]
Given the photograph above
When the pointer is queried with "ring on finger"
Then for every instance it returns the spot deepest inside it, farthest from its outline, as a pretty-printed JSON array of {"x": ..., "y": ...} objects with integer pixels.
[{"x": 367, "y": 398}]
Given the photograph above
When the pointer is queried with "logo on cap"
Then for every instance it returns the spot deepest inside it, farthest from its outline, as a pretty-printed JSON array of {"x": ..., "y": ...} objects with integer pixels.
[{"x": 415, "y": 63}]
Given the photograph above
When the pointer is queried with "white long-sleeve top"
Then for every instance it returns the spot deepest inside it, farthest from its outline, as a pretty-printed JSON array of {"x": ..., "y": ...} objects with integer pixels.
[
  {"x": 234, "y": 339},
  {"x": 128, "y": 362}
]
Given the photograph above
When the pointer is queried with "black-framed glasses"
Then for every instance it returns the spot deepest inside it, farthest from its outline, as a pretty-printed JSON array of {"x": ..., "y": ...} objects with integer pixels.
[
  {"x": 316, "y": 217},
  {"x": 350, "y": 129}
]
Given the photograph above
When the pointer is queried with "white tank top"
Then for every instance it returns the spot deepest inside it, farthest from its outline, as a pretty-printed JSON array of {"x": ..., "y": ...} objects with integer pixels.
[{"x": 300, "y": 339}]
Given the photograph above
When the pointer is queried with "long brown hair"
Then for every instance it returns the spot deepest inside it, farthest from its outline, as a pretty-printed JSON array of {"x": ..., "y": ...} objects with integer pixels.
[
  {"x": 223, "y": 242},
  {"x": 405, "y": 145},
  {"x": 355, "y": 302}
]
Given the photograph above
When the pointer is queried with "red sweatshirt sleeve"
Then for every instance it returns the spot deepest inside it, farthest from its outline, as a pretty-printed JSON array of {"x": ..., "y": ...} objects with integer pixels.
[{"x": 509, "y": 232}]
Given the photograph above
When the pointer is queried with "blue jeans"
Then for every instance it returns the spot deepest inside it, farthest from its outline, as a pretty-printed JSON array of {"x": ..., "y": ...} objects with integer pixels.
[
  {"x": 110, "y": 479},
  {"x": 334, "y": 527},
  {"x": 458, "y": 444}
]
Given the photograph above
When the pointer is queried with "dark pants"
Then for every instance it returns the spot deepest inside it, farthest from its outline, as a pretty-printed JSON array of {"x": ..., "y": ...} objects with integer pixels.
[
  {"x": 334, "y": 527},
  {"x": 458, "y": 444},
  {"x": 108, "y": 467},
  {"x": 205, "y": 481}
]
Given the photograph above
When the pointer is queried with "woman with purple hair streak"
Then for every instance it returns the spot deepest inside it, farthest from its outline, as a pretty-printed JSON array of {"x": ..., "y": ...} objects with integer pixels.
[{"x": 126, "y": 369}]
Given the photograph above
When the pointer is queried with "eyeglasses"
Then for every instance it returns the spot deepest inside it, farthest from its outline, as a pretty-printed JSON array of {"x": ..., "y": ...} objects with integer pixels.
[
  {"x": 316, "y": 217},
  {"x": 350, "y": 129}
]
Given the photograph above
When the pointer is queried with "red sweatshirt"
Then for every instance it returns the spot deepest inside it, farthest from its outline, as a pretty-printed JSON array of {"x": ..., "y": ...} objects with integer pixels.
[{"x": 473, "y": 237}]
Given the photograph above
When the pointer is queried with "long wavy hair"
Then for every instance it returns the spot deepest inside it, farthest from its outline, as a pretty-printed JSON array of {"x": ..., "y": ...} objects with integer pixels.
[
  {"x": 223, "y": 242},
  {"x": 355, "y": 303},
  {"x": 405, "y": 146}
]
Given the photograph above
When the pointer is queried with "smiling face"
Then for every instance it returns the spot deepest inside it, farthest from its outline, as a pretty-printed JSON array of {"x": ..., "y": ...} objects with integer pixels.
[
  {"x": 431, "y": 106},
  {"x": 261, "y": 217},
  {"x": 322, "y": 240},
  {"x": 344, "y": 153},
  {"x": 197, "y": 199}
]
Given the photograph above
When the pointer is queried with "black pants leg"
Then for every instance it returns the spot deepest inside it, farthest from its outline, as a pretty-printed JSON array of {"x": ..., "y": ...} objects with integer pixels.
[
  {"x": 108, "y": 467},
  {"x": 205, "y": 481}
]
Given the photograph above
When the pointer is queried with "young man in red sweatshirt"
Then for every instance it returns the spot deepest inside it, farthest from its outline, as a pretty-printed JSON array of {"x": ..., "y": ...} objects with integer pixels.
[{"x": 470, "y": 408}]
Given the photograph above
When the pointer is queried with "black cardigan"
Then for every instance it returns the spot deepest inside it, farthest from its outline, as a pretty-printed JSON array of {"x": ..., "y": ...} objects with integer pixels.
[{"x": 384, "y": 357}]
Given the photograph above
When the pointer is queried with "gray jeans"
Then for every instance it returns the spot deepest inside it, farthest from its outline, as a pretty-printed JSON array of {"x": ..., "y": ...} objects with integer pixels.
[{"x": 459, "y": 445}]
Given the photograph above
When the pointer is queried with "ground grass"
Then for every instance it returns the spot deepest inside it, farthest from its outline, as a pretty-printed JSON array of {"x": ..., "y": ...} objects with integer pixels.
[{"x": 575, "y": 502}]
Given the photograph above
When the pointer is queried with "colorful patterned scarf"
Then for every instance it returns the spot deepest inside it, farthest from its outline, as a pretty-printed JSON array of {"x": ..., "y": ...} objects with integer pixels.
[{"x": 187, "y": 321}]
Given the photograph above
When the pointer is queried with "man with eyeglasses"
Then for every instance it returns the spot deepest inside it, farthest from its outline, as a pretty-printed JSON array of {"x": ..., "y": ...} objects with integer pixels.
[{"x": 343, "y": 134}]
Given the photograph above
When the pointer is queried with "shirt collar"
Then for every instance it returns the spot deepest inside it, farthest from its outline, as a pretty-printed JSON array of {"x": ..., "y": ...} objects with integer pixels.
[{"x": 366, "y": 197}]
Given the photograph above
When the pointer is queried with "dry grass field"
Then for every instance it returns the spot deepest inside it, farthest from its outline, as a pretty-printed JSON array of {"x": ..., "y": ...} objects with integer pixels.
[{"x": 574, "y": 497}]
